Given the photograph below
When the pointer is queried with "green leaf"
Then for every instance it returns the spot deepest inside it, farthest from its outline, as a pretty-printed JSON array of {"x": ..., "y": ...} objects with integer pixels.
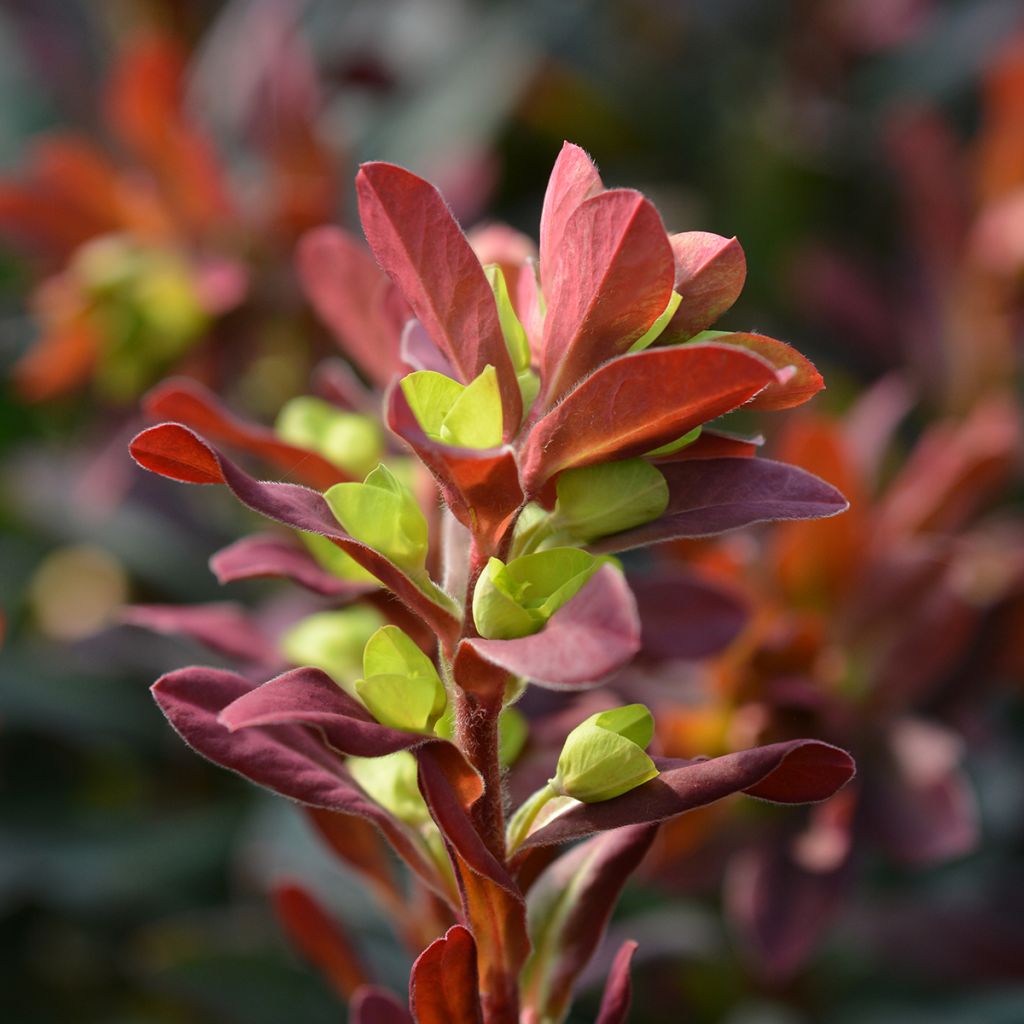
[
  {"x": 392, "y": 782},
  {"x": 597, "y": 501},
  {"x": 603, "y": 757},
  {"x": 515, "y": 336},
  {"x": 390, "y": 651},
  {"x": 513, "y": 730},
  {"x": 330, "y": 557},
  {"x": 384, "y": 515},
  {"x": 517, "y": 599},
  {"x": 333, "y": 641},
  {"x": 351, "y": 441},
  {"x": 659, "y": 325},
  {"x": 475, "y": 420},
  {"x": 430, "y": 395},
  {"x": 677, "y": 445},
  {"x": 400, "y": 702}
]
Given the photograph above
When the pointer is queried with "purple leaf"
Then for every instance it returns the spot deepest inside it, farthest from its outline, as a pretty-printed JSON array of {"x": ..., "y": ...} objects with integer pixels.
[
  {"x": 798, "y": 771},
  {"x": 708, "y": 496},
  {"x": 270, "y": 554},
  {"x": 307, "y": 696},
  {"x": 618, "y": 992},
  {"x": 586, "y": 640},
  {"x": 371, "y": 1005},
  {"x": 569, "y": 908}
]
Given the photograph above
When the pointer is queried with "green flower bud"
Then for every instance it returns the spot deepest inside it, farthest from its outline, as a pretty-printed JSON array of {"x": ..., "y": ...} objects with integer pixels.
[
  {"x": 333, "y": 641},
  {"x": 604, "y": 757},
  {"x": 384, "y": 515},
  {"x": 464, "y": 416},
  {"x": 517, "y": 599},
  {"x": 351, "y": 441},
  {"x": 391, "y": 782}
]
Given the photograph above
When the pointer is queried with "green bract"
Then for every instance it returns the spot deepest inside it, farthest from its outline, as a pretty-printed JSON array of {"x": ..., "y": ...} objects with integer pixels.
[
  {"x": 678, "y": 444},
  {"x": 655, "y": 330},
  {"x": 333, "y": 641},
  {"x": 517, "y": 599},
  {"x": 400, "y": 686},
  {"x": 391, "y": 782},
  {"x": 336, "y": 561},
  {"x": 515, "y": 336},
  {"x": 465, "y": 416},
  {"x": 347, "y": 439},
  {"x": 596, "y": 501},
  {"x": 384, "y": 515},
  {"x": 604, "y": 757}
]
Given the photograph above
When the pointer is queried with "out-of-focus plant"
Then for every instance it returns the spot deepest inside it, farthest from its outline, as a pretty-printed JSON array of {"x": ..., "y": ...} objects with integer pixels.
[{"x": 562, "y": 409}]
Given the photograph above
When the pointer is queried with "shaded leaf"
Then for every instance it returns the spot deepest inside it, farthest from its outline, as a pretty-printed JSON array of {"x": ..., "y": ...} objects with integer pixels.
[
  {"x": 618, "y": 990},
  {"x": 377, "y": 1006}
]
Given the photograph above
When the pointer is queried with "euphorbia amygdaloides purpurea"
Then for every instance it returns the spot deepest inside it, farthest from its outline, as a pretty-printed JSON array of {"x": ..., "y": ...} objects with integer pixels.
[{"x": 564, "y": 420}]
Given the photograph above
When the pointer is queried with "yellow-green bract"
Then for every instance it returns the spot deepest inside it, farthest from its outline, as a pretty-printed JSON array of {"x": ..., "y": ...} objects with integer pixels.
[
  {"x": 391, "y": 782},
  {"x": 353, "y": 442},
  {"x": 466, "y": 416},
  {"x": 333, "y": 641}
]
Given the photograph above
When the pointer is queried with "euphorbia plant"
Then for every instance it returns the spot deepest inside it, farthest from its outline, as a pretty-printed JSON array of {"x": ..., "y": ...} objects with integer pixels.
[{"x": 561, "y": 426}]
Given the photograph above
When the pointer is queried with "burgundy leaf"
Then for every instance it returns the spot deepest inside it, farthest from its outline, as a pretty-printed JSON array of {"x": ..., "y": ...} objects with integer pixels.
[
  {"x": 345, "y": 286},
  {"x": 443, "y": 986},
  {"x": 797, "y": 771},
  {"x": 569, "y": 908},
  {"x": 176, "y": 452},
  {"x": 222, "y": 627},
  {"x": 618, "y": 991},
  {"x": 319, "y": 938},
  {"x": 481, "y": 487},
  {"x": 573, "y": 180},
  {"x": 799, "y": 380},
  {"x": 290, "y": 760},
  {"x": 188, "y": 402},
  {"x": 307, "y": 696},
  {"x": 270, "y": 554},
  {"x": 637, "y": 403},
  {"x": 709, "y": 496},
  {"x": 587, "y": 639},
  {"x": 371, "y": 1005},
  {"x": 710, "y": 272},
  {"x": 419, "y": 245},
  {"x": 607, "y": 282}
]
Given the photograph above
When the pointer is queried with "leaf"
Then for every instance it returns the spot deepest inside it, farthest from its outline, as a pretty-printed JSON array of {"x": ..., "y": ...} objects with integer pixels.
[
  {"x": 638, "y": 402},
  {"x": 568, "y": 911},
  {"x": 423, "y": 250},
  {"x": 188, "y": 402},
  {"x": 176, "y": 452},
  {"x": 443, "y": 986},
  {"x": 797, "y": 771},
  {"x": 332, "y": 641},
  {"x": 307, "y": 696},
  {"x": 318, "y": 937},
  {"x": 573, "y": 179},
  {"x": 377, "y": 1006},
  {"x": 345, "y": 439},
  {"x": 709, "y": 496},
  {"x": 345, "y": 286},
  {"x": 799, "y": 379},
  {"x": 450, "y": 413},
  {"x": 618, "y": 992},
  {"x": 270, "y": 554},
  {"x": 709, "y": 275},
  {"x": 587, "y": 639},
  {"x": 609, "y": 497},
  {"x": 609, "y": 281},
  {"x": 391, "y": 781}
]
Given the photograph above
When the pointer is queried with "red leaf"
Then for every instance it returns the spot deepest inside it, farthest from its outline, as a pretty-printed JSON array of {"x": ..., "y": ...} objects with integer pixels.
[
  {"x": 618, "y": 991},
  {"x": 419, "y": 245},
  {"x": 345, "y": 286},
  {"x": 178, "y": 453},
  {"x": 637, "y": 403},
  {"x": 188, "y": 402},
  {"x": 610, "y": 279},
  {"x": 319, "y": 938},
  {"x": 574, "y": 178},
  {"x": 585, "y": 641},
  {"x": 377, "y": 1006},
  {"x": 798, "y": 771},
  {"x": 710, "y": 272},
  {"x": 443, "y": 986},
  {"x": 799, "y": 380}
]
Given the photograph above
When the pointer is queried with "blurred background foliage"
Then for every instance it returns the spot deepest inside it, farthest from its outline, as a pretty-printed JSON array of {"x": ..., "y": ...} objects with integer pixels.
[{"x": 849, "y": 144}]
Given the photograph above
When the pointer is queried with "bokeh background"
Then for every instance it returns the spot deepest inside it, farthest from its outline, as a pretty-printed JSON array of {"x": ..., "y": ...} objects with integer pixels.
[{"x": 869, "y": 155}]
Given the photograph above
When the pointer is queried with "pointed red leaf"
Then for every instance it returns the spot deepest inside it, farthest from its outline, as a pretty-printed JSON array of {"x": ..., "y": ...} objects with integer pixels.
[
  {"x": 609, "y": 280},
  {"x": 188, "y": 402},
  {"x": 574, "y": 179},
  {"x": 618, "y": 991},
  {"x": 639, "y": 402},
  {"x": 481, "y": 487},
  {"x": 569, "y": 908},
  {"x": 586, "y": 640},
  {"x": 799, "y": 379},
  {"x": 176, "y": 452},
  {"x": 419, "y": 245},
  {"x": 372, "y": 1005},
  {"x": 713, "y": 444},
  {"x": 443, "y": 986},
  {"x": 307, "y": 696},
  {"x": 320, "y": 939},
  {"x": 270, "y": 554},
  {"x": 345, "y": 286},
  {"x": 709, "y": 496},
  {"x": 710, "y": 272},
  {"x": 797, "y": 771}
]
